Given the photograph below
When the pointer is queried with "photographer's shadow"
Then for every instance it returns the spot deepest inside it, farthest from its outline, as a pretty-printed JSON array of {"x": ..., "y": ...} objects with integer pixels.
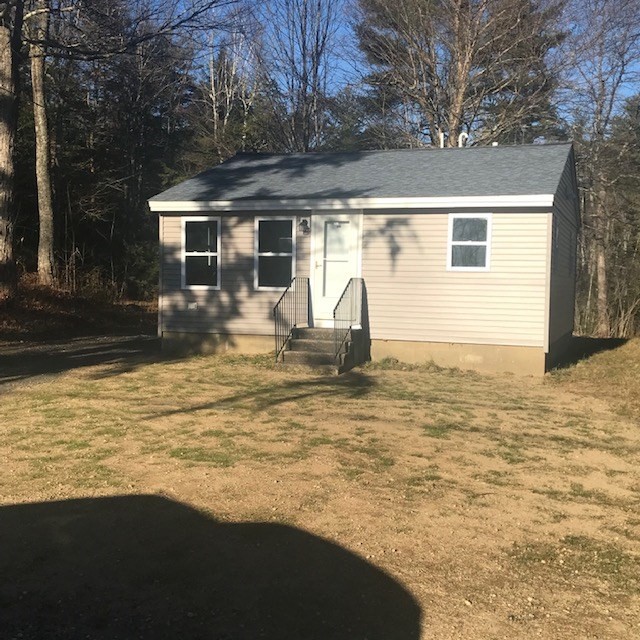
[{"x": 147, "y": 567}]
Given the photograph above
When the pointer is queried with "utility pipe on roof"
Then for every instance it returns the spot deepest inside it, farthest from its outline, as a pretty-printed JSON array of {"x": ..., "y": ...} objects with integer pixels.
[{"x": 462, "y": 138}]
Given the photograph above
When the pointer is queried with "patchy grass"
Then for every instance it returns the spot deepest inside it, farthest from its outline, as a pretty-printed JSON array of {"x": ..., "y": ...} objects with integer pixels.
[
  {"x": 215, "y": 457},
  {"x": 575, "y": 557},
  {"x": 442, "y": 428},
  {"x": 507, "y": 503}
]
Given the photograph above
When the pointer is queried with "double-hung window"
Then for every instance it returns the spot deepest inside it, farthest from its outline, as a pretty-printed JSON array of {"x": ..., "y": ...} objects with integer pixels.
[
  {"x": 469, "y": 246},
  {"x": 275, "y": 248},
  {"x": 200, "y": 252}
]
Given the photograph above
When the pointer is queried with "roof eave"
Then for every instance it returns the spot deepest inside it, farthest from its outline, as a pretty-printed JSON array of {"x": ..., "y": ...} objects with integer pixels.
[{"x": 293, "y": 204}]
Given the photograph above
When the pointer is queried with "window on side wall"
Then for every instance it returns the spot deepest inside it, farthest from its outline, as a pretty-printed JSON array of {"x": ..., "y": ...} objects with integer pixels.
[
  {"x": 469, "y": 246},
  {"x": 201, "y": 253},
  {"x": 274, "y": 252}
]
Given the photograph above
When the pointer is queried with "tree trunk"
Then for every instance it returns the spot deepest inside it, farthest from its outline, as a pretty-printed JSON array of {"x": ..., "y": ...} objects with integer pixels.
[
  {"x": 603, "y": 327},
  {"x": 46, "y": 264},
  {"x": 10, "y": 35}
]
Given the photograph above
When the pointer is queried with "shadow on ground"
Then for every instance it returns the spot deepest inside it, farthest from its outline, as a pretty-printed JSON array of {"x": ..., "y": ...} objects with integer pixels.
[
  {"x": 351, "y": 385},
  {"x": 583, "y": 347},
  {"x": 124, "y": 353},
  {"x": 147, "y": 567}
]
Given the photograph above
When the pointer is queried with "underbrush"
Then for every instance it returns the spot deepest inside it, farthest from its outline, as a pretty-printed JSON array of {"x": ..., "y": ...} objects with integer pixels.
[{"x": 38, "y": 313}]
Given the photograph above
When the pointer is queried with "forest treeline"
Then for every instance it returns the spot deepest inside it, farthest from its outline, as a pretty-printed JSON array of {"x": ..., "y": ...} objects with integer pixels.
[{"x": 103, "y": 104}]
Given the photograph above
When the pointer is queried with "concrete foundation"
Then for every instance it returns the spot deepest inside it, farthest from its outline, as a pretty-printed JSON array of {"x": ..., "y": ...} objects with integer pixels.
[
  {"x": 190, "y": 343},
  {"x": 478, "y": 357},
  {"x": 528, "y": 361}
]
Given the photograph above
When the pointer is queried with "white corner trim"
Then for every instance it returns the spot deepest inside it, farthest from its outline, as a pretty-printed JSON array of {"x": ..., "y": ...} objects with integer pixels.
[
  {"x": 539, "y": 200},
  {"x": 547, "y": 285}
]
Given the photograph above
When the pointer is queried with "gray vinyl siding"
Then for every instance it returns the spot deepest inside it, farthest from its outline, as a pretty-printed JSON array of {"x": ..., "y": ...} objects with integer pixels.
[
  {"x": 563, "y": 259},
  {"x": 411, "y": 295},
  {"x": 236, "y": 308}
]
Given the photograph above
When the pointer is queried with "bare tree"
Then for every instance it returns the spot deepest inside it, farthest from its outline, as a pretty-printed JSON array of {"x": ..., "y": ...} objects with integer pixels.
[
  {"x": 297, "y": 58},
  {"x": 461, "y": 65},
  {"x": 603, "y": 55},
  {"x": 79, "y": 30},
  {"x": 232, "y": 86},
  {"x": 38, "y": 22}
]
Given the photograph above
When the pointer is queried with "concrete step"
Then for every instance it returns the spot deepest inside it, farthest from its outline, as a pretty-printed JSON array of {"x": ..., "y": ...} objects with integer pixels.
[
  {"x": 325, "y": 369},
  {"x": 312, "y": 345},
  {"x": 308, "y": 358},
  {"x": 313, "y": 333}
]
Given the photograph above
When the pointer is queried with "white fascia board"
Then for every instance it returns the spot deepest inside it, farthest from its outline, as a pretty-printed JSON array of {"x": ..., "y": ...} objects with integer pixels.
[{"x": 538, "y": 200}]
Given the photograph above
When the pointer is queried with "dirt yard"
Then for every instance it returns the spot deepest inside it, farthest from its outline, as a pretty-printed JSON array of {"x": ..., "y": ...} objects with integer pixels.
[{"x": 221, "y": 497}]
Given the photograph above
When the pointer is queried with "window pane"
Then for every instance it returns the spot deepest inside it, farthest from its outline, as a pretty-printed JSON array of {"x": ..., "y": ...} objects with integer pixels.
[
  {"x": 201, "y": 236},
  {"x": 469, "y": 229},
  {"x": 466, "y": 256},
  {"x": 336, "y": 240},
  {"x": 274, "y": 236},
  {"x": 274, "y": 271},
  {"x": 201, "y": 270}
]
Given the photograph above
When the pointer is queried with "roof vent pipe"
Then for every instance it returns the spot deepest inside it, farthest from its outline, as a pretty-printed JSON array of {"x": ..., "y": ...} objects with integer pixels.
[
  {"x": 441, "y": 138},
  {"x": 462, "y": 138},
  {"x": 494, "y": 144}
]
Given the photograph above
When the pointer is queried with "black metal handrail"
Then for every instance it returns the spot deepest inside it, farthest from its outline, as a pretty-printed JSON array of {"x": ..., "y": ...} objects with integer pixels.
[
  {"x": 291, "y": 311},
  {"x": 347, "y": 313}
]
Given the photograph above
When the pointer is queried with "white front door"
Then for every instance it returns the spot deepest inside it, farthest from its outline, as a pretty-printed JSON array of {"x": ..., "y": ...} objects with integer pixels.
[{"x": 335, "y": 258}]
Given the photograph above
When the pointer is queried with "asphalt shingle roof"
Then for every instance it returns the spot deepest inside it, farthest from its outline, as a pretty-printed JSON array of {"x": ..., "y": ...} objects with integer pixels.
[{"x": 403, "y": 173}]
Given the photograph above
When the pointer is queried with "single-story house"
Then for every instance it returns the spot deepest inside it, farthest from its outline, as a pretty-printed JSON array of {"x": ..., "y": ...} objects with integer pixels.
[{"x": 463, "y": 256}]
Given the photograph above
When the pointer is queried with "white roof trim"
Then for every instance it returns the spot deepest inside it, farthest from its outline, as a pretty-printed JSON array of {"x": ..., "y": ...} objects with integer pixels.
[{"x": 538, "y": 200}]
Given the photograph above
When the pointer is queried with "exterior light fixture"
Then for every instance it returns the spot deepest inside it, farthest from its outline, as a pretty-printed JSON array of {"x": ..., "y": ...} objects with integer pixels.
[{"x": 304, "y": 227}]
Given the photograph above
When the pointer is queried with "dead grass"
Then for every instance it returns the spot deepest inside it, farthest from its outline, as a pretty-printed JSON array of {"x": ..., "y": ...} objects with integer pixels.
[
  {"x": 506, "y": 506},
  {"x": 612, "y": 374}
]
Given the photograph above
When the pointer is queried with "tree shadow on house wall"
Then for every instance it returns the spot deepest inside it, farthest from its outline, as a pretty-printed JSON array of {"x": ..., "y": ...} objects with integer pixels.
[
  {"x": 147, "y": 567},
  {"x": 269, "y": 178}
]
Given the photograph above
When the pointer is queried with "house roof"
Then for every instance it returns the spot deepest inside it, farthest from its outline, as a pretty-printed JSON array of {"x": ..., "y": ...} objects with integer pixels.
[{"x": 478, "y": 172}]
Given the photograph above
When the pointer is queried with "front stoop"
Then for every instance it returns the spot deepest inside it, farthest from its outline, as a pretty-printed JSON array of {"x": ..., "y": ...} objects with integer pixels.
[{"x": 314, "y": 347}]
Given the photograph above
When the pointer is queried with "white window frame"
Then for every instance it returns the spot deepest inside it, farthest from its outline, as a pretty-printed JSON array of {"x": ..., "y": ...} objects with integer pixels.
[
  {"x": 184, "y": 253},
  {"x": 257, "y": 254},
  {"x": 487, "y": 243}
]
